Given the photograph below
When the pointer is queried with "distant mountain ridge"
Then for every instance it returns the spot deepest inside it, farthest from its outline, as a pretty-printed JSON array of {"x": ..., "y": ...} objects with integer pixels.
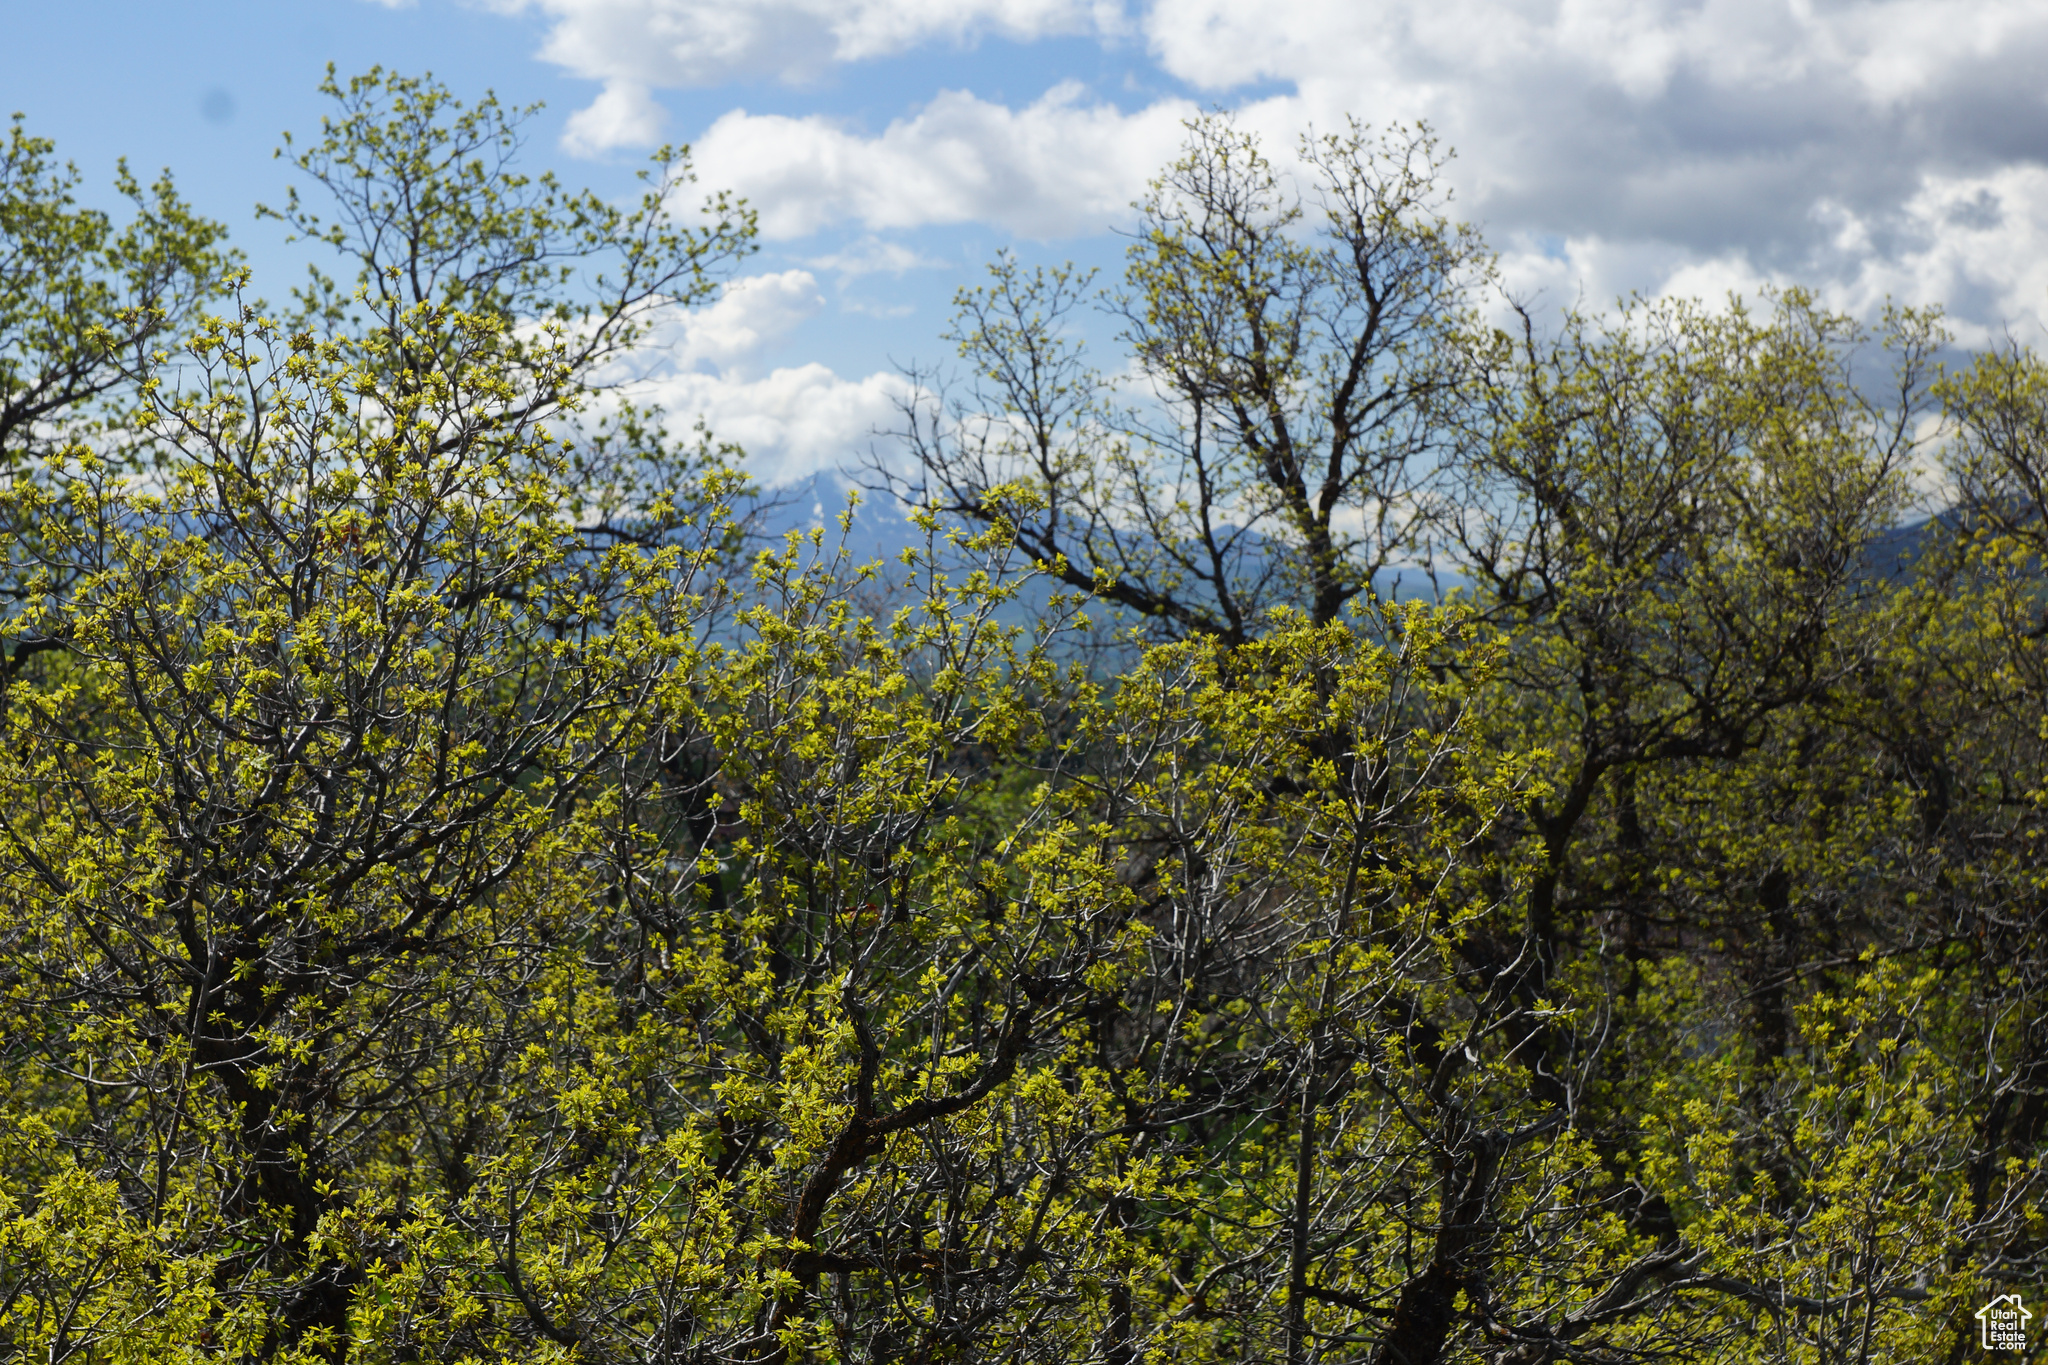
[{"x": 882, "y": 529}]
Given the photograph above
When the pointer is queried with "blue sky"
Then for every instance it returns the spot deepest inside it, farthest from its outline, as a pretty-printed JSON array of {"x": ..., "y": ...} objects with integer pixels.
[{"x": 1871, "y": 148}]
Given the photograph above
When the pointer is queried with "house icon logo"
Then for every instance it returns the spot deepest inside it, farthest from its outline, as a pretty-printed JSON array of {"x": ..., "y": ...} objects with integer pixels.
[{"x": 2004, "y": 1323}]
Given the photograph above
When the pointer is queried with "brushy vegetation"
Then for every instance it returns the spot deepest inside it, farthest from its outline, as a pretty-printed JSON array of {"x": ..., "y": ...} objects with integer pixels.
[{"x": 461, "y": 899}]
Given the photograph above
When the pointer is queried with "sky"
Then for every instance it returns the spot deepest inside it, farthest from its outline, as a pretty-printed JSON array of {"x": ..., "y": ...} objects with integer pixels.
[{"x": 1872, "y": 149}]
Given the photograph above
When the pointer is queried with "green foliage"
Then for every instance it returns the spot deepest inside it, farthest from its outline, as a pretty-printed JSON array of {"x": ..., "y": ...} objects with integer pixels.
[
  {"x": 428, "y": 212},
  {"x": 456, "y": 909},
  {"x": 82, "y": 302},
  {"x": 1293, "y": 357},
  {"x": 429, "y": 209}
]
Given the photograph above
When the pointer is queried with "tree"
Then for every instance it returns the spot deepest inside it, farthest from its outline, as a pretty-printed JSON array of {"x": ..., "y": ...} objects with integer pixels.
[
  {"x": 82, "y": 305},
  {"x": 420, "y": 951},
  {"x": 429, "y": 212},
  {"x": 441, "y": 922},
  {"x": 1286, "y": 454},
  {"x": 81, "y": 301},
  {"x": 326, "y": 699},
  {"x": 1671, "y": 514},
  {"x": 332, "y": 680}
]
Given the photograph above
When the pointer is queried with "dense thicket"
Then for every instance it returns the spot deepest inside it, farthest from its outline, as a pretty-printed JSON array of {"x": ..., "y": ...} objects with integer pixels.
[{"x": 462, "y": 901}]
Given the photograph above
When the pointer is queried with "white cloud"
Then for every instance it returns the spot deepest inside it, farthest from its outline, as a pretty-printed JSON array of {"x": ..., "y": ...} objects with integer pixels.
[
  {"x": 1593, "y": 273},
  {"x": 1635, "y": 87},
  {"x": 1651, "y": 143},
  {"x": 873, "y": 256},
  {"x": 1448, "y": 48},
  {"x": 792, "y": 422},
  {"x": 625, "y": 115},
  {"x": 708, "y": 42},
  {"x": 1976, "y": 244},
  {"x": 1057, "y": 166},
  {"x": 750, "y": 315},
  {"x": 1689, "y": 145}
]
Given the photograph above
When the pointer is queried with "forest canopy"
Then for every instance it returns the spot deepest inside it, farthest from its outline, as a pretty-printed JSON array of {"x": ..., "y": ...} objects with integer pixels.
[{"x": 467, "y": 895}]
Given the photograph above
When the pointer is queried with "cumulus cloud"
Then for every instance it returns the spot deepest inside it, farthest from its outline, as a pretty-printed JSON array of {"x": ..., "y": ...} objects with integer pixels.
[
  {"x": 1060, "y": 165},
  {"x": 625, "y": 115},
  {"x": 792, "y": 422},
  {"x": 1976, "y": 244},
  {"x": 637, "y": 45},
  {"x": 750, "y": 315},
  {"x": 873, "y": 256},
  {"x": 1607, "y": 144},
  {"x": 1678, "y": 144},
  {"x": 708, "y": 42}
]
